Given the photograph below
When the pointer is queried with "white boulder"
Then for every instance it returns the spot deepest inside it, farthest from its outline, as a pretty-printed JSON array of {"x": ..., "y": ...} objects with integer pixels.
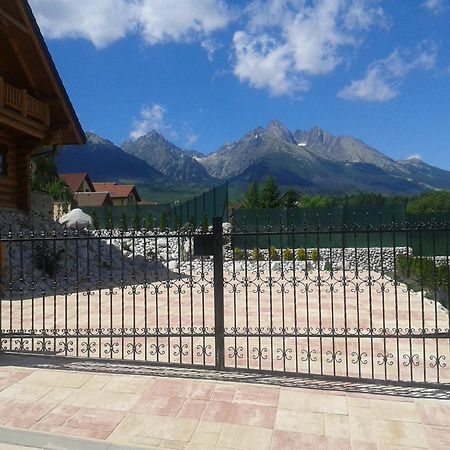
[{"x": 76, "y": 218}]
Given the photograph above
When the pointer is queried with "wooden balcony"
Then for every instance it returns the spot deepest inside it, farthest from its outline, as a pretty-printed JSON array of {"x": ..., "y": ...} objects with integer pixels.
[{"x": 20, "y": 101}]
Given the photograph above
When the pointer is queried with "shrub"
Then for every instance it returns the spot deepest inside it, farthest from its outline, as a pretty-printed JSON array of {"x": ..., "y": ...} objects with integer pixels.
[
  {"x": 192, "y": 223},
  {"x": 136, "y": 221},
  {"x": 424, "y": 273},
  {"x": 328, "y": 266},
  {"x": 149, "y": 222},
  {"x": 315, "y": 255},
  {"x": 301, "y": 254},
  {"x": 164, "y": 221},
  {"x": 123, "y": 222},
  {"x": 205, "y": 223},
  {"x": 288, "y": 255},
  {"x": 177, "y": 222},
  {"x": 95, "y": 221},
  {"x": 109, "y": 220},
  {"x": 257, "y": 255},
  {"x": 273, "y": 254},
  {"x": 238, "y": 254},
  {"x": 47, "y": 259}
]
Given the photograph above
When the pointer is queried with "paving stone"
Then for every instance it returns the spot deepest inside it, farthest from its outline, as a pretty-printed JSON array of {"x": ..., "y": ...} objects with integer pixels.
[
  {"x": 130, "y": 384},
  {"x": 392, "y": 410},
  {"x": 193, "y": 409},
  {"x": 400, "y": 433},
  {"x": 160, "y": 427},
  {"x": 337, "y": 425},
  {"x": 300, "y": 421},
  {"x": 284, "y": 440},
  {"x": 226, "y": 412},
  {"x": 257, "y": 395},
  {"x": 117, "y": 401},
  {"x": 25, "y": 392},
  {"x": 57, "y": 378},
  {"x": 310, "y": 401},
  {"x": 242, "y": 437}
]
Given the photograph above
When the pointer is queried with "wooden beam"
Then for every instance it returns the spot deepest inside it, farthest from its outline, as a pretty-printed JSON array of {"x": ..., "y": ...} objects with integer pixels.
[
  {"x": 10, "y": 20},
  {"x": 18, "y": 123},
  {"x": 23, "y": 63}
]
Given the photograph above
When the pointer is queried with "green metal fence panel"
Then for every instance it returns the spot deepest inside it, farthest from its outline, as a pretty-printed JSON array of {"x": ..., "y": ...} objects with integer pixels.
[
  {"x": 213, "y": 203},
  {"x": 209, "y": 204},
  {"x": 430, "y": 235},
  {"x": 117, "y": 216},
  {"x": 374, "y": 225},
  {"x": 322, "y": 227}
]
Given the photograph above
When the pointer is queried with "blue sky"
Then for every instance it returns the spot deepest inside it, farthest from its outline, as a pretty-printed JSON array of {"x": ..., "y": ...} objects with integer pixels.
[{"x": 205, "y": 72}]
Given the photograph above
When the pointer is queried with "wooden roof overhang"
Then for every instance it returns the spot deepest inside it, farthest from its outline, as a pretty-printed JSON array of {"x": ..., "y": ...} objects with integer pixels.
[{"x": 33, "y": 101}]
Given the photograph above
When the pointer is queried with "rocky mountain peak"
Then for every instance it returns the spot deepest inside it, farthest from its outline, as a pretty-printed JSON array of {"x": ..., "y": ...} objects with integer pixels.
[
  {"x": 166, "y": 157},
  {"x": 94, "y": 139},
  {"x": 279, "y": 131},
  {"x": 318, "y": 134}
]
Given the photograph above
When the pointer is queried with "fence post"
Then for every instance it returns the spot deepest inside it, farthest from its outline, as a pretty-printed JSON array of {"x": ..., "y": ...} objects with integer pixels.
[{"x": 219, "y": 326}]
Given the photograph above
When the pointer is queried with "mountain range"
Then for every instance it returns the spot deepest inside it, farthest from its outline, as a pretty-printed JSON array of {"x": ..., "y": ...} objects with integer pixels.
[
  {"x": 312, "y": 161},
  {"x": 104, "y": 161}
]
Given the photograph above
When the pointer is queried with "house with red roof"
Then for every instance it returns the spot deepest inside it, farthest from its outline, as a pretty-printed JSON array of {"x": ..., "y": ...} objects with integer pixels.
[
  {"x": 92, "y": 199},
  {"x": 77, "y": 182},
  {"x": 89, "y": 194},
  {"x": 121, "y": 194}
]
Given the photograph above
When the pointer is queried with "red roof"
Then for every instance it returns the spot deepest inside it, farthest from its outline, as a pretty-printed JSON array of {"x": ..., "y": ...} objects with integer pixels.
[
  {"x": 92, "y": 198},
  {"x": 75, "y": 180},
  {"x": 117, "y": 190}
]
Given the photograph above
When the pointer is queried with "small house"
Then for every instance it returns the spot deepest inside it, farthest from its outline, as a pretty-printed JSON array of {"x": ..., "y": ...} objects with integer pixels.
[
  {"x": 92, "y": 199},
  {"x": 121, "y": 194},
  {"x": 77, "y": 182}
]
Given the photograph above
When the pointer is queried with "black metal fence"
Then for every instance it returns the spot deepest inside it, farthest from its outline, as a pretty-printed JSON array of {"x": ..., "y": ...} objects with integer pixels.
[{"x": 294, "y": 300}]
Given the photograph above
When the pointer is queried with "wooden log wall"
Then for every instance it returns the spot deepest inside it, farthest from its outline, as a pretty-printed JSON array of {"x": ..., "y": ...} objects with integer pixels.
[{"x": 14, "y": 186}]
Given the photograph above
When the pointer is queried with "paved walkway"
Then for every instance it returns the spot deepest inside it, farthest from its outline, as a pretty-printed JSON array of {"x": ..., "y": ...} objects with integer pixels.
[{"x": 116, "y": 410}]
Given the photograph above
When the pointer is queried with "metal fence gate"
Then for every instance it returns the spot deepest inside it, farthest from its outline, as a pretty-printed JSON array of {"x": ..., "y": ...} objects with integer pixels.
[{"x": 355, "y": 302}]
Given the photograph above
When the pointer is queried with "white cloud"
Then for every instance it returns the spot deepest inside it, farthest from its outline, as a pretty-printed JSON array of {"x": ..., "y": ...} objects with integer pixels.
[
  {"x": 383, "y": 77},
  {"x": 154, "y": 117},
  {"x": 106, "y": 21},
  {"x": 211, "y": 46},
  {"x": 264, "y": 64},
  {"x": 190, "y": 137},
  {"x": 434, "y": 5},
  {"x": 415, "y": 156},
  {"x": 180, "y": 20},
  {"x": 286, "y": 42},
  {"x": 373, "y": 88},
  {"x": 100, "y": 21}
]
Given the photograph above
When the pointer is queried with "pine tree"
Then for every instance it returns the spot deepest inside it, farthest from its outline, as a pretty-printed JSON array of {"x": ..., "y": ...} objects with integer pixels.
[
  {"x": 252, "y": 197},
  {"x": 270, "y": 197},
  {"x": 290, "y": 201}
]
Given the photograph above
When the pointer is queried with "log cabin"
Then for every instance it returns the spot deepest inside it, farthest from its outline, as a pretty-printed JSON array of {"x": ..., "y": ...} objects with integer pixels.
[{"x": 35, "y": 110}]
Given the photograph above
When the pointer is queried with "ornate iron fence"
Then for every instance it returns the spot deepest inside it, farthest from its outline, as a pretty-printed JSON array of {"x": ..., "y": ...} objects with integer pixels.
[{"x": 314, "y": 300}]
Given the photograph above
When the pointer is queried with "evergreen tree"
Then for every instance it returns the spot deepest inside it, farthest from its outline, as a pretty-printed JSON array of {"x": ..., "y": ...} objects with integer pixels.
[
  {"x": 252, "y": 197},
  {"x": 290, "y": 201},
  {"x": 430, "y": 202},
  {"x": 270, "y": 197}
]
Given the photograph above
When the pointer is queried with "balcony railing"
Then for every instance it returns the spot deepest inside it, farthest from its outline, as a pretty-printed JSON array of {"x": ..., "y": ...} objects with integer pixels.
[{"x": 19, "y": 100}]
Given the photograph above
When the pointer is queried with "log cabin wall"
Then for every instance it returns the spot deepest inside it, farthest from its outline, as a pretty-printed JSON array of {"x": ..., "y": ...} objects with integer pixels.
[
  {"x": 15, "y": 182},
  {"x": 8, "y": 179}
]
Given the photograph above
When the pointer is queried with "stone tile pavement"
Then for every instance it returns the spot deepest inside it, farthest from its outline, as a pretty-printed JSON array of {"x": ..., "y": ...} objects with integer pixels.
[{"x": 112, "y": 410}]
